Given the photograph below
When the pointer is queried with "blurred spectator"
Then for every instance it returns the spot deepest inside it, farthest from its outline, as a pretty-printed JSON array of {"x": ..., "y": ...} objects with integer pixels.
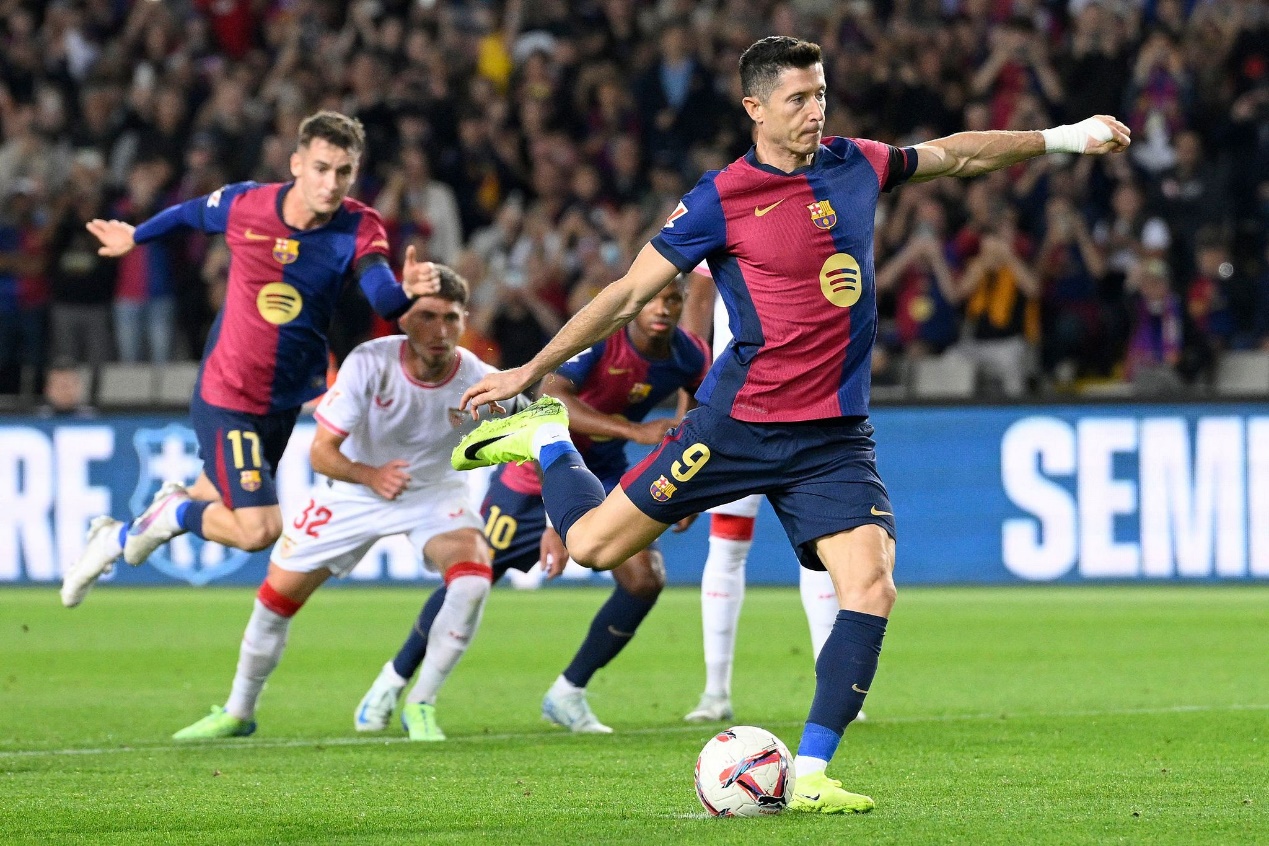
[
  {"x": 1002, "y": 317},
  {"x": 23, "y": 289},
  {"x": 1070, "y": 266},
  {"x": 413, "y": 203},
  {"x": 1154, "y": 343},
  {"x": 66, "y": 392},
  {"x": 924, "y": 290},
  {"x": 82, "y": 282},
  {"x": 144, "y": 306},
  {"x": 676, "y": 95}
]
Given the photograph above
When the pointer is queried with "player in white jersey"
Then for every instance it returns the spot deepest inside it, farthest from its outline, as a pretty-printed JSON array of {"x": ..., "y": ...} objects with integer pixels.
[
  {"x": 384, "y": 436},
  {"x": 730, "y": 537}
]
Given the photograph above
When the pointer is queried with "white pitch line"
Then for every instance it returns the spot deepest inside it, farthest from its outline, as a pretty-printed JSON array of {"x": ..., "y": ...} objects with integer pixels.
[{"x": 317, "y": 743}]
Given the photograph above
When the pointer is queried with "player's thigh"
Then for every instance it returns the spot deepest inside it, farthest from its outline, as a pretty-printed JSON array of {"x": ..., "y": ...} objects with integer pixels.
[
  {"x": 330, "y": 533},
  {"x": 514, "y": 525},
  {"x": 240, "y": 452},
  {"x": 444, "y": 527},
  {"x": 612, "y": 532},
  {"x": 830, "y": 485},
  {"x": 643, "y": 574},
  {"x": 707, "y": 461}
]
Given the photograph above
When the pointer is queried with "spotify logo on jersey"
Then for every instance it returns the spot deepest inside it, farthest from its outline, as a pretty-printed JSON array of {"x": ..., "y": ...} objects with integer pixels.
[
  {"x": 840, "y": 280},
  {"x": 279, "y": 303}
]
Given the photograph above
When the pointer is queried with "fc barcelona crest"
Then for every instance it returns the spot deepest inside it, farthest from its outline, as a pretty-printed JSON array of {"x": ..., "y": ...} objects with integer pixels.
[
  {"x": 286, "y": 250},
  {"x": 822, "y": 214},
  {"x": 662, "y": 489},
  {"x": 250, "y": 480}
]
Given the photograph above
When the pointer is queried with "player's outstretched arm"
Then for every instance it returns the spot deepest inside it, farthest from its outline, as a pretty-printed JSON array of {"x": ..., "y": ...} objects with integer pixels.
[
  {"x": 972, "y": 153},
  {"x": 613, "y": 308},
  {"x": 388, "y": 481}
]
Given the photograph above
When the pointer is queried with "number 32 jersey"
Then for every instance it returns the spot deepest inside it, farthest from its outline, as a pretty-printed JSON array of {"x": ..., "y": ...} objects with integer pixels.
[
  {"x": 384, "y": 413},
  {"x": 792, "y": 256}
]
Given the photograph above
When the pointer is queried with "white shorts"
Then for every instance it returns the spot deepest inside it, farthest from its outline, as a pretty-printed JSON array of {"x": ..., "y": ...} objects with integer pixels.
[
  {"x": 335, "y": 529},
  {"x": 744, "y": 507}
]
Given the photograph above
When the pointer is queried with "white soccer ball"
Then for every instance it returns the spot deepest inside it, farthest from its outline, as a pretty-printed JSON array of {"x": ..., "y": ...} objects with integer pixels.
[{"x": 744, "y": 771}]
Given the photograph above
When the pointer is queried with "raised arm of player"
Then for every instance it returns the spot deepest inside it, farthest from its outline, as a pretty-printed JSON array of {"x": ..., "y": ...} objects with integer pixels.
[
  {"x": 972, "y": 153},
  {"x": 388, "y": 481},
  {"x": 613, "y": 308}
]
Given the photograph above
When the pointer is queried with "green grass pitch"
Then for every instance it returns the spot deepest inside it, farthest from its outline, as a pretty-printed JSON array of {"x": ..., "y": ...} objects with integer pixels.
[{"x": 1007, "y": 715}]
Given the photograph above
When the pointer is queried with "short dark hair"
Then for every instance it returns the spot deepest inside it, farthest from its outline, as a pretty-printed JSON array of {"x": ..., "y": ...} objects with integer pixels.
[
  {"x": 453, "y": 287},
  {"x": 762, "y": 62},
  {"x": 336, "y": 129}
]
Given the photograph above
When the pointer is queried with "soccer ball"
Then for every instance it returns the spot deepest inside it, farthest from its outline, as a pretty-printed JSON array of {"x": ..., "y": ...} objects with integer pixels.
[{"x": 744, "y": 771}]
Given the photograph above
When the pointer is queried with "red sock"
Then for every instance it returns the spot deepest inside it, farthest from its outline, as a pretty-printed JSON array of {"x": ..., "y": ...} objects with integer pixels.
[
  {"x": 281, "y": 605},
  {"x": 731, "y": 527}
]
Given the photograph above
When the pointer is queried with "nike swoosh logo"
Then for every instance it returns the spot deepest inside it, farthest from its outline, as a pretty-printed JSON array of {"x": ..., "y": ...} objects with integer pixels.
[
  {"x": 476, "y": 446},
  {"x": 384, "y": 403},
  {"x": 877, "y": 513},
  {"x": 251, "y": 236},
  {"x": 617, "y": 371},
  {"x": 757, "y": 212},
  {"x": 618, "y": 633},
  {"x": 814, "y": 798},
  {"x": 858, "y": 689}
]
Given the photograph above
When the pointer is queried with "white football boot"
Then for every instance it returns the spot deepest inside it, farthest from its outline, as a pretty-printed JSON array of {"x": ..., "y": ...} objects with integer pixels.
[
  {"x": 713, "y": 708},
  {"x": 375, "y": 709},
  {"x": 101, "y": 551},
  {"x": 571, "y": 710},
  {"x": 155, "y": 525}
]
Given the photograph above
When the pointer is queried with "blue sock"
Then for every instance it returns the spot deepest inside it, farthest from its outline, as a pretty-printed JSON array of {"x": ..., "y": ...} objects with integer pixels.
[
  {"x": 123, "y": 532},
  {"x": 415, "y": 646},
  {"x": 843, "y": 675},
  {"x": 189, "y": 515},
  {"x": 613, "y": 627},
  {"x": 569, "y": 490}
]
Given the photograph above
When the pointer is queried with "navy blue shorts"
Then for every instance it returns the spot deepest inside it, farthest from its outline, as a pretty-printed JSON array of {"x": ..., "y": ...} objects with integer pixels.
[
  {"x": 514, "y": 524},
  {"x": 820, "y": 476},
  {"x": 241, "y": 451}
]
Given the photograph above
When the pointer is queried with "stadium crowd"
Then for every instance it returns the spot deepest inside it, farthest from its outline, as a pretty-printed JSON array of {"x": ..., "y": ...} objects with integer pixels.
[{"x": 535, "y": 146}]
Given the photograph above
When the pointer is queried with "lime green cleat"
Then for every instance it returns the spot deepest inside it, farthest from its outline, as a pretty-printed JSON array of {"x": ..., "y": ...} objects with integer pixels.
[
  {"x": 507, "y": 438},
  {"x": 818, "y": 794},
  {"x": 419, "y": 720},
  {"x": 215, "y": 725}
]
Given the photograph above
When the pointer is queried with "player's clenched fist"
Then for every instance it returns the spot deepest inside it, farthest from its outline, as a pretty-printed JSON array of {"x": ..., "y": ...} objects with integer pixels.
[
  {"x": 390, "y": 480},
  {"x": 419, "y": 278}
]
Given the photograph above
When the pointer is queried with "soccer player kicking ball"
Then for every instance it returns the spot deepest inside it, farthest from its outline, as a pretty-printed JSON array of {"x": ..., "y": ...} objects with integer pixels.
[
  {"x": 385, "y": 429},
  {"x": 731, "y": 530},
  {"x": 608, "y": 390},
  {"x": 787, "y": 230},
  {"x": 293, "y": 245}
]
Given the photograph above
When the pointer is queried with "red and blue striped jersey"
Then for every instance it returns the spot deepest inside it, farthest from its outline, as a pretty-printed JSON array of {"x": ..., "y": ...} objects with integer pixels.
[
  {"x": 613, "y": 377},
  {"x": 792, "y": 256},
  {"x": 267, "y": 349}
]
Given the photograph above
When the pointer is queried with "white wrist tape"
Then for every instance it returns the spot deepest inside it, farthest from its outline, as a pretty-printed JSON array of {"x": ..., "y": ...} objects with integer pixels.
[{"x": 1073, "y": 137}]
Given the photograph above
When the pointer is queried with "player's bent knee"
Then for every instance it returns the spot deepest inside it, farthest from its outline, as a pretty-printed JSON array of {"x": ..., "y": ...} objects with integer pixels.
[{"x": 643, "y": 575}]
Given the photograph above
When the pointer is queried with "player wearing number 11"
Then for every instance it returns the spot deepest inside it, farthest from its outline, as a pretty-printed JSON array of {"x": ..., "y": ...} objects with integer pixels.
[
  {"x": 787, "y": 231},
  {"x": 293, "y": 247}
]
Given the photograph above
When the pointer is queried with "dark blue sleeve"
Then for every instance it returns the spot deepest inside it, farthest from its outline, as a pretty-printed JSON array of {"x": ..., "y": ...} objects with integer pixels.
[
  {"x": 577, "y": 368},
  {"x": 695, "y": 229},
  {"x": 209, "y": 214},
  {"x": 380, "y": 286}
]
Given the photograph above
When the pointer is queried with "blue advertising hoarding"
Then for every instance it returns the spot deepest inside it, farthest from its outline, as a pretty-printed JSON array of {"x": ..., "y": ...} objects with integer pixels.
[{"x": 981, "y": 495}]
